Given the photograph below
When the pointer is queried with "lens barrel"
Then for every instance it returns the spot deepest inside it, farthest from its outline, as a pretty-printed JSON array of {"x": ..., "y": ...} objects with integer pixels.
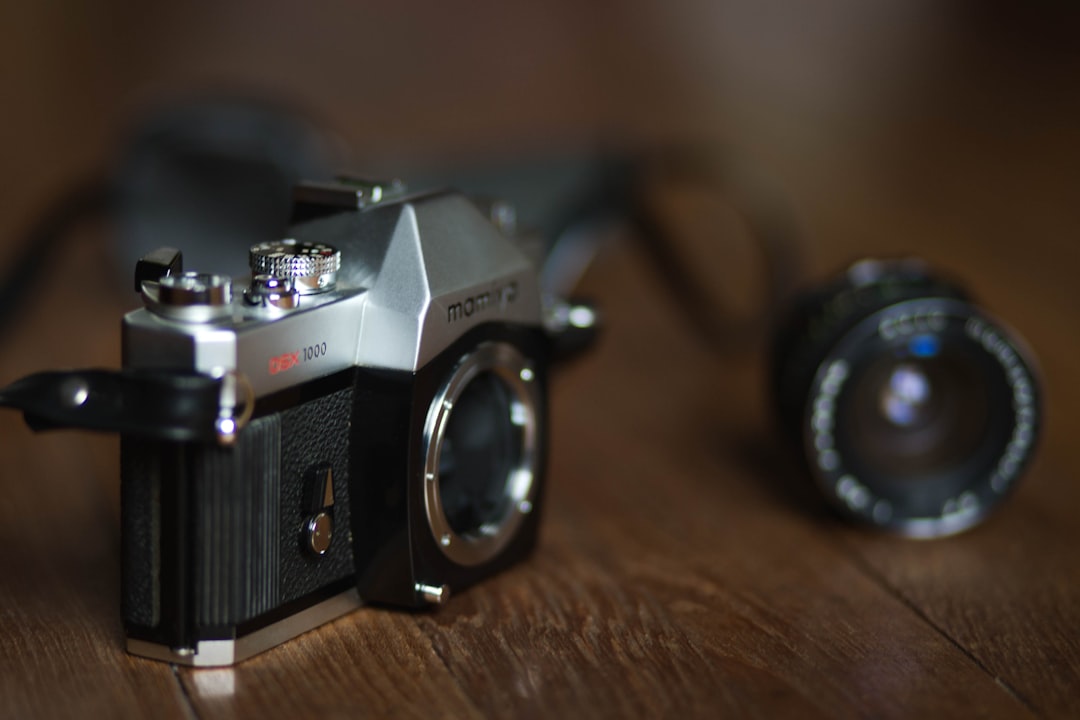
[{"x": 914, "y": 410}]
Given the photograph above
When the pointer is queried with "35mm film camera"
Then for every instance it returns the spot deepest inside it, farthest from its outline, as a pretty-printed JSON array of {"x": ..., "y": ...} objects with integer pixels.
[{"x": 363, "y": 421}]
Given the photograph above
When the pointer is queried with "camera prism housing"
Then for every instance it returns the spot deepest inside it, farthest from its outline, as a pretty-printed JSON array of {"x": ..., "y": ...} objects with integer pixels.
[
  {"x": 389, "y": 365},
  {"x": 914, "y": 409}
]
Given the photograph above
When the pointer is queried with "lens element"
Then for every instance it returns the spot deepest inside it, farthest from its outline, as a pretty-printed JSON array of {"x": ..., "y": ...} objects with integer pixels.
[
  {"x": 906, "y": 397},
  {"x": 908, "y": 418}
]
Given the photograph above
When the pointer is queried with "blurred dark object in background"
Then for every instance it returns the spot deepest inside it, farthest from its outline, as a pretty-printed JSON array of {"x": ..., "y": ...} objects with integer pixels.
[
  {"x": 213, "y": 177},
  {"x": 825, "y": 98},
  {"x": 217, "y": 176},
  {"x": 881, "y": 121}
]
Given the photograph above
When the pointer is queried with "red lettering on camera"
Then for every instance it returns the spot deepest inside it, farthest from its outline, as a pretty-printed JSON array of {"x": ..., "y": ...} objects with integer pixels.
[{"x": 281, "y": 363}]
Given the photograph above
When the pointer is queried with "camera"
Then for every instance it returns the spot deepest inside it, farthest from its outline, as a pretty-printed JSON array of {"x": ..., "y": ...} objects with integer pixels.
[
  {"x": 914, "y": 409},
  {"x": 380, "y": 427}
]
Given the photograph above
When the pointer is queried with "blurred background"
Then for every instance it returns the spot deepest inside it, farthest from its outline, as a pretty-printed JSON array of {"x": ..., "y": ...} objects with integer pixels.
[
  {"x": 887, "y": 126},
  {"x": 946, "y": 128}
]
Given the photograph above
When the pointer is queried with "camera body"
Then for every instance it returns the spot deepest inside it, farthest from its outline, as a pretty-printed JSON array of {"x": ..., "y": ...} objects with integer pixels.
[{"x": 389, "y": 366}]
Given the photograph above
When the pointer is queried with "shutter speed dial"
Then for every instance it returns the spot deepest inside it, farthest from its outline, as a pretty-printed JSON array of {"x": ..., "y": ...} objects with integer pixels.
[{"x": 311, "y": 267}]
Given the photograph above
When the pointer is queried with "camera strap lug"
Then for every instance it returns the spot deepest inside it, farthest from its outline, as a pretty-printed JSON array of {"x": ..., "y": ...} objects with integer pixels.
[
  {"x": 573, "y": 326},
  {"x": 236, "y": 403},
  {"x": 150, "y": 404}
]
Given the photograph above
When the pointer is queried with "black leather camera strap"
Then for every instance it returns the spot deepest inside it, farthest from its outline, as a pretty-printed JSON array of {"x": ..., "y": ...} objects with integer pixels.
[{"x": 153, "y": 404}]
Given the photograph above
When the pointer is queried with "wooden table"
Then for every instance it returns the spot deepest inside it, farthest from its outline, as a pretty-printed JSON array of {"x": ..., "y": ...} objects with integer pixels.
[{"x": 684, "y": 567}]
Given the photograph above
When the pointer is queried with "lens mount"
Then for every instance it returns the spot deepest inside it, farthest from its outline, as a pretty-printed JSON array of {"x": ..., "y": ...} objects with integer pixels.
[
  {"x": 921, "y": 417},
  {"x": 489, "y": 406}
]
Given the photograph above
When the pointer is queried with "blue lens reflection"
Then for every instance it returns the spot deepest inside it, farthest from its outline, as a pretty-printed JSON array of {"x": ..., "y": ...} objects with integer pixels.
[{"x": 924, "y": 346}]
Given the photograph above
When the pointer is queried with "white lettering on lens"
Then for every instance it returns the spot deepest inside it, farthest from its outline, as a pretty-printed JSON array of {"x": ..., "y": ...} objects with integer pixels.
[{"x": 1023, "y": 434}]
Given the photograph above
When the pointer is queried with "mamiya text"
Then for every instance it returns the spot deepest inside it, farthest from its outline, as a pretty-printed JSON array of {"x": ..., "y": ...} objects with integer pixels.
[{"x": 495, "y": 299}]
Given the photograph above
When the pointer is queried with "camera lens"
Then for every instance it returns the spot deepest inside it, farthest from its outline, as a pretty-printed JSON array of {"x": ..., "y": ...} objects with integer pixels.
[
  {"x": 480, "y": 449},
  {"x": 481, "y": 453},
  {"x": 914, "y": 410},
  {"x": 915, "y": 415}
]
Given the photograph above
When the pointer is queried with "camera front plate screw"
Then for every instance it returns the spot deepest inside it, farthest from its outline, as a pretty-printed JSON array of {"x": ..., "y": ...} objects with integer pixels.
[
  {"x": 434, "y": 594},
  {"x": 320, "y": 531}
]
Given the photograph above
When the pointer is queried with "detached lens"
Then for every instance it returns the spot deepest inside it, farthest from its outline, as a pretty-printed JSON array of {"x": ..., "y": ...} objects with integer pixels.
[{"x": 915, "y": 410}]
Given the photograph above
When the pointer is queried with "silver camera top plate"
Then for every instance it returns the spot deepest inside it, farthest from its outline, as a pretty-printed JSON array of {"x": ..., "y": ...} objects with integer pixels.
[{"x": 416, "y": 274}]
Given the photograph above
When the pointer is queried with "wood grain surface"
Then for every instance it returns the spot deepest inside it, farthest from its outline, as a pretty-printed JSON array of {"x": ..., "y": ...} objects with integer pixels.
[{"x": 685, "y": 568}]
